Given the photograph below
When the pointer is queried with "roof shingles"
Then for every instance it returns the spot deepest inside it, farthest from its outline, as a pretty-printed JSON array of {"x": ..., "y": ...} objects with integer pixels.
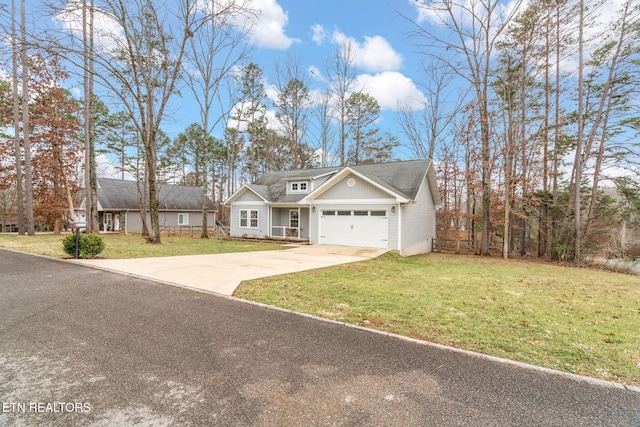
[
  {"x": 403, "y": 178},
  {"x": 116, "y": 194}
]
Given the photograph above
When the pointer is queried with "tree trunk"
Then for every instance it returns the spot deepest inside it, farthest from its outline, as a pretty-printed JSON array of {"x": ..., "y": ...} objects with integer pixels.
[
  {"x": 151, "y": 169},
  {"x": 578, "y": 163},
  {"x": 16, "y": 121},
  {"x": 28, "y": 174},
  {"x": 205, "y": 179},
  {"x": 602, "y": 118}
]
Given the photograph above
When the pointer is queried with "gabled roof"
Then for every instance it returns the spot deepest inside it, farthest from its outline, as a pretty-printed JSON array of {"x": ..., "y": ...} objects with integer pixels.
[
  {"x": 116, "y": 194},
  {"x": 273, "y": 185},
  {"x": 259, "y": 190},
  {"x": 402, "y": 179}
]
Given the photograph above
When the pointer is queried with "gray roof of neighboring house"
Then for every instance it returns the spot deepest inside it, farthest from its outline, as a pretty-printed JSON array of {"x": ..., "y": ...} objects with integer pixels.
[
  {"x": 116, "y": 194},
  {"x": 403, "y": 178}
]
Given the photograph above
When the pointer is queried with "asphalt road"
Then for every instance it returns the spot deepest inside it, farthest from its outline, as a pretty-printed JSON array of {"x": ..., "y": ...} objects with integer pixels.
[{"x": 80, "y": 346}]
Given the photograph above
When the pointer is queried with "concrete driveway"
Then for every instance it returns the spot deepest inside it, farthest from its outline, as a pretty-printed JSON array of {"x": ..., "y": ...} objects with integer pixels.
[{"x": 222, "y": 273}]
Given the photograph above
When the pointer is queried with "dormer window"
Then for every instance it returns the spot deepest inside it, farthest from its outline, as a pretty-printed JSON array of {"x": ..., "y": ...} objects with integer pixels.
[{"x": 299, "y": 187}]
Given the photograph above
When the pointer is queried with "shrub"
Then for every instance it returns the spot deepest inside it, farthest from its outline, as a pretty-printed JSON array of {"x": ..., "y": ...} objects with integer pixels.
[{"x": 90, "y": 245}]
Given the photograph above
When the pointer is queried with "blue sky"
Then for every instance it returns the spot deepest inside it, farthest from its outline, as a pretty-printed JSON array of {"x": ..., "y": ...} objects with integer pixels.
[{"x": 386, "y": 66}]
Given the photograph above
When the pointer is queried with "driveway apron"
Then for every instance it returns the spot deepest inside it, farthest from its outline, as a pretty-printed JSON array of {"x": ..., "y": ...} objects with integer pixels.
[{"x": 222, "y": 273}]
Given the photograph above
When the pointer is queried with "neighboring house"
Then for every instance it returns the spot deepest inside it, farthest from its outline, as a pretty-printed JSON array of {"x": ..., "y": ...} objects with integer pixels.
[
  {"x": 389, "y": 205},
  {"x": 119, "y": 210}
]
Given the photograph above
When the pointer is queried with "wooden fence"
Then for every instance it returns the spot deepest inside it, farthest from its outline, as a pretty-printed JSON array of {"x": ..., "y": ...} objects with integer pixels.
[
  {"x": 195, "y": 230},
  {"x": 461, "y": 242}
]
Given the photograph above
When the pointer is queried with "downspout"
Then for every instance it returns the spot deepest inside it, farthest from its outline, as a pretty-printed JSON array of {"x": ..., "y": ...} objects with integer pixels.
[{"x": 399, "y": 208}]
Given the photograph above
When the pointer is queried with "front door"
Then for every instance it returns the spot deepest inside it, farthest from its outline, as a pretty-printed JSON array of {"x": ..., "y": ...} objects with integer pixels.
[
  {"x": 294, "y": 222},
  {"x": 108, "y": 221}
]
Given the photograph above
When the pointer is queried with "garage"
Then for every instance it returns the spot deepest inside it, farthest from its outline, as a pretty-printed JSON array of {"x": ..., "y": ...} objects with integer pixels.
[{"x": 354, "y": 227}]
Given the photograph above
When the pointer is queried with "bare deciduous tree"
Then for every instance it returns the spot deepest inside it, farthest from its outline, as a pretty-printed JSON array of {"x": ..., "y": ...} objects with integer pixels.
[
  {"x": 341, "y": 69},
  {"x": 293, "y": 106},
  {"x": 139, "y": 59},
  {"x": 214, "y": 51},
  {"x": 476, "y": 26},
  {"x": 425, "y": 127}
]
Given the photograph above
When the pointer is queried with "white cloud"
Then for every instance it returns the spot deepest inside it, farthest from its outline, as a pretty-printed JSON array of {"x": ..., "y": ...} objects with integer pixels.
[
  {"x": 270, "y": 117},
  {"x": 318, "y": 96},
  {"x": 105, "y": 168},
  {"x": 375, "y": 54},
  {"x": 108, "y": 34},
  {"x": 268, "y": 27},
  {"x": 265, "y": 20},
  {"x": 319, "y": 34},
  {"x": 391, "y": 89},
  {"x": 271, "y": 91},
  {"x": 428, "y": 13}
]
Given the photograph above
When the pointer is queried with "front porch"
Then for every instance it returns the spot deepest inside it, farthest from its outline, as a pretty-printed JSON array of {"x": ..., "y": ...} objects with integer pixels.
[
  {"x": 289, "y": 222},
  {"x": 111, "y": 221}
]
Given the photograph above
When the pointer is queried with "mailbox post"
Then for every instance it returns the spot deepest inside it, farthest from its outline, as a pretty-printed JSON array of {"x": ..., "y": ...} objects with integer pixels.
[{"x": 78, "y": 226}]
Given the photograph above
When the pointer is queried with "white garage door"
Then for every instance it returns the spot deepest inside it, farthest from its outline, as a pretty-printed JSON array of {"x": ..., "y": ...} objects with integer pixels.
[{"x": 350, "y": 227}]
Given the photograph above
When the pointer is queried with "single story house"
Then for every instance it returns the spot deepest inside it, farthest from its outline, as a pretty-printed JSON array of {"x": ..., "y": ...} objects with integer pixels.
[
  {"x": 119, "y": 210},
  {"x": 388, "y": 205}
]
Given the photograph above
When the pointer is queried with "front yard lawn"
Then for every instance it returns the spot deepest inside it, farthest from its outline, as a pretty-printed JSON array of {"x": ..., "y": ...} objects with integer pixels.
[
  {"x": 576, "y": 320},
  {"x": 121, "y": 246}
]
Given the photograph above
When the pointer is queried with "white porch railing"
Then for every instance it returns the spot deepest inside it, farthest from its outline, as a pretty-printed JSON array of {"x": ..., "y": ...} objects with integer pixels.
[{"x": 283, "y": 232}]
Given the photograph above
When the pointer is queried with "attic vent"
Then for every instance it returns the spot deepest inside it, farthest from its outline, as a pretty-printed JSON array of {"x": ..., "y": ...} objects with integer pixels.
[{"x": 351, "y": 182}]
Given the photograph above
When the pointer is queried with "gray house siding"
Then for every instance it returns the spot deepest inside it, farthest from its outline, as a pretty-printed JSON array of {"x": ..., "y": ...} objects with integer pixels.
[
  {"x": 418, "y": 223},
  {"x": 194, "y": 219},
  {"x": 249, "y": 196},
  {"x": 280, "y": 216},
  {"x": 133, "y": 222},
  {"x": 361, "y": 190},
  {"x": 313, "y": 224},
  {"x": 263, "y": 220},
  {"x": 304, "y": 223}
]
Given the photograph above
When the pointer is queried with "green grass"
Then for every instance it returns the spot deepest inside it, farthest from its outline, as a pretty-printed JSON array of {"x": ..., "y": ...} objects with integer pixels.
[
  {"x": 576, "y": 320},
  {"x": 120, "y": 246}
]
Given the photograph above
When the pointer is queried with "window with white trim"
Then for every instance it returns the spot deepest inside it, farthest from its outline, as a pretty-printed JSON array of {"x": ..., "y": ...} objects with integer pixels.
[
  {"x": 183, "y": 219},
  {"x": 299, "y": 187},
  {"x": 294, "y": 218},
  {"x": 248, "y": 218}
]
